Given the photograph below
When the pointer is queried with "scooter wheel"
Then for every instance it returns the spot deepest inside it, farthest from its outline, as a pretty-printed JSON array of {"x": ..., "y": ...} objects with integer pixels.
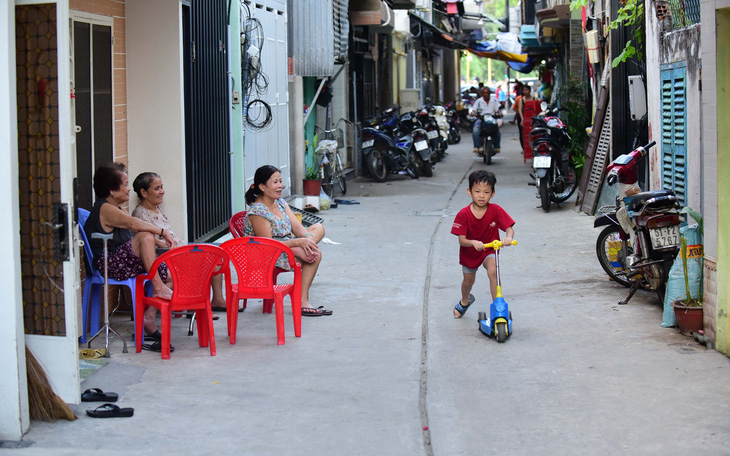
[
  {"x": 501, "y": 332},
  {"x": 481, "y": 316}
]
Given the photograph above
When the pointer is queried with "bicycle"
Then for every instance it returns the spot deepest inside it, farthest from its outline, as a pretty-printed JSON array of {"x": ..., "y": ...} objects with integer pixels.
[{"x": 329, "y": 162}]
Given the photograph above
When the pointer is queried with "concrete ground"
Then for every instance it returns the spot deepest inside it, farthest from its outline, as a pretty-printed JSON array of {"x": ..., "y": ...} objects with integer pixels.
[{"x": 393, "y": 373}]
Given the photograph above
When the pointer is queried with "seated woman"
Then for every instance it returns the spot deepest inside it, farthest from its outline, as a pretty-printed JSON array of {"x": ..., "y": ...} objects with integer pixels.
[
  {"x": 128, "y": 254},
  {"x": 150, "y": 191},
  {"x": 270, "y": 216}
]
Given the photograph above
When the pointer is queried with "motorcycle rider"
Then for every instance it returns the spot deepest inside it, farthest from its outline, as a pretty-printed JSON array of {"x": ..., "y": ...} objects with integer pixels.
[{"x": 485, "y": 105}]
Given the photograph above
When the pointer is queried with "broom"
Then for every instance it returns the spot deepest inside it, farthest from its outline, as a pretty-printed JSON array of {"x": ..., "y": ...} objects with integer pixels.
[{"x": 43, "y": 403}]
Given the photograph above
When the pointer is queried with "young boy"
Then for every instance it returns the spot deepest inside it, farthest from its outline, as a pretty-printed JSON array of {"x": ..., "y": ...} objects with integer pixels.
[{"x": 478, "y": 224}]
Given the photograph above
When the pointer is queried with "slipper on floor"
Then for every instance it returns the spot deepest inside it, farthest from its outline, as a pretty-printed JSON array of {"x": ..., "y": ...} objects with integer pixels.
[
  {"x": 97, "y": 395},
  {"x": 311, "y": 312},
  {"x": 156, "y": 347},
  {"x": 92, "y": 353},
  {"x": 462, "y": 309},
  {"x": 223, "y": 309},
  {"x": 310, "y": 208},
  {"x": 324, "y": 311},
  {"x": 110, "y": 411},
  {"x": 346, "y": 202}
]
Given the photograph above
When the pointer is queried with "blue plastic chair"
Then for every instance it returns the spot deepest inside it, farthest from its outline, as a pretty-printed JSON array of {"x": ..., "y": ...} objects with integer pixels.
[{"x": 94, "y": 287}]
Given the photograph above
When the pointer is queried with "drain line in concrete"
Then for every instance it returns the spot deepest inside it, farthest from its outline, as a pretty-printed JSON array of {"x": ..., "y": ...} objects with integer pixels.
[{"x": 422, "y": 405}]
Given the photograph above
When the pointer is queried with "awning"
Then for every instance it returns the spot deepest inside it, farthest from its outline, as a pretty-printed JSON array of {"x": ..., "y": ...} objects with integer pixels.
[
  {"x": 432, "y": 35},
  {"x": 491, "y": 50}
]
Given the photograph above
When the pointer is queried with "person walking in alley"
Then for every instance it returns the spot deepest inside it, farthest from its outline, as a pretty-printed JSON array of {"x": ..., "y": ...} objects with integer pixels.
[
  {"x": 477, "y": 224},
  {"x": 485, "y": 105}
]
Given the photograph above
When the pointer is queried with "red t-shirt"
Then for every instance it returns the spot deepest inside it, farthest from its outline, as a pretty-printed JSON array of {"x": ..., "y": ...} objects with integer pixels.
[{"x": 485, "y": 229}]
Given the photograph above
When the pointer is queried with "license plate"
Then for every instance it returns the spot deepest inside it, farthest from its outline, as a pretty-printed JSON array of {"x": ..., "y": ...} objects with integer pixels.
[
  {"x": 421, "y": 145},
  {"x": 541, "y": 162},
  {"x": 432, "y": 134},
  {"x": 666, "y": 236},
  {"x": 368, "y": 143}
]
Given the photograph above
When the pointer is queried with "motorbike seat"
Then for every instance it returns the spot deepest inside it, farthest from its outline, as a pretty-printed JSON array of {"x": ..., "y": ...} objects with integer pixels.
[{"x": 636, "y": 202}]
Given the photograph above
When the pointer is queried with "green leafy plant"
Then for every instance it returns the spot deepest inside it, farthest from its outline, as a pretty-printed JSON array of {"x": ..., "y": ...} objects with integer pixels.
[
  {"x": 631, "y": 14},
  {"x": 577, "y": 118},
  {"x": 690, "y": 302},
  {"x": 311, "y": 173}
]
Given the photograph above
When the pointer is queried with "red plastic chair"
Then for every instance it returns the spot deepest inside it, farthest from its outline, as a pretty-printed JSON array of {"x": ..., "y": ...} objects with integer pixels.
[
  {"x": 191, "y": 267},
  {"x": 254, "y": 259},
  {"x": 235, "y": 226}
]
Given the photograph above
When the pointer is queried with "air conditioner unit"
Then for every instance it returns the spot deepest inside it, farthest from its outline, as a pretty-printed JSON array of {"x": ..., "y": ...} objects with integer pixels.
[{"x": 423, "y": 5}]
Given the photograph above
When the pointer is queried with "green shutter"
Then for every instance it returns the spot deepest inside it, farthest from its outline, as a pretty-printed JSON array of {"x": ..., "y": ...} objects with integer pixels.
[{"x": 674, "y": 128}]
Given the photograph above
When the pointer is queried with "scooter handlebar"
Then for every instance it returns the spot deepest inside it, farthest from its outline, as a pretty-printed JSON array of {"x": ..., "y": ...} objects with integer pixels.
[{"x": 497, "y": 244}]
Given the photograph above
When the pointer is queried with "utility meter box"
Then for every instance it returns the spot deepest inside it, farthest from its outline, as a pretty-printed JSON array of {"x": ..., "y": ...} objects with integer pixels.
[
  {"x": 410, "y": 100},
  {"x": 637, "y": 97}
]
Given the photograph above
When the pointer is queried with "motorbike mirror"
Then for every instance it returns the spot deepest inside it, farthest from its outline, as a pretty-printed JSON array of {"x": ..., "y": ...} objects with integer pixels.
[{"x": 544, "y": 106}]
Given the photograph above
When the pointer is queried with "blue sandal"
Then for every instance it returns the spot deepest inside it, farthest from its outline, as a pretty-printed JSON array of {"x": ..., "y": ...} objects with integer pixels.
[{"x": 462, "y": 309}]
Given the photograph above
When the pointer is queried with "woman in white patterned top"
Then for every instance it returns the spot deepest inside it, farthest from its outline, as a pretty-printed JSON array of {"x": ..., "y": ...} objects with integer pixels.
[{"x": 151, "y": 192}]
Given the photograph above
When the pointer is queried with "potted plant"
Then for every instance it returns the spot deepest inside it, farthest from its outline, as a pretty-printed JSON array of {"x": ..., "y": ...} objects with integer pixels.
[
  {"x": 312, "y": 183},
  {"x": 688, "y": 312}
]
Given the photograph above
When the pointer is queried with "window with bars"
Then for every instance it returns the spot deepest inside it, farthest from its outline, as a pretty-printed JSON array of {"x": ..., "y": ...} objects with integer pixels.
[
  {"x": 674, "y": 128},
  {"x": 684, "y": 12}
]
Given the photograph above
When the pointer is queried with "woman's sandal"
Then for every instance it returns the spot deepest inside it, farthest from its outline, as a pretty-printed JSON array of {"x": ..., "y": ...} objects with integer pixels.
[
  {"x": 462, "y": 309},
  {"x": 156, "y": 347}
]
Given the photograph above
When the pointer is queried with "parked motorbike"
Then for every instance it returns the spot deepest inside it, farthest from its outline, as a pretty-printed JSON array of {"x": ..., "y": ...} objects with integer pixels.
[
  {"x": 436, "y": 142},
  {"x": 489, "y": 128},
  {"x": 383, "y": 154},
  {"x": 555, "y": 178},
  {"x": 641, "y": 236},
  {"x": 425, "y": 156},
  {"x": 439, "y": 113},
  {"x": 454, "y": 129}
]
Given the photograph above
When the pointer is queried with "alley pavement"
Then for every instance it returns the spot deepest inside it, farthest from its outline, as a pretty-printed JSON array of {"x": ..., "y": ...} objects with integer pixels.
[{"x": 391, "y": 372}]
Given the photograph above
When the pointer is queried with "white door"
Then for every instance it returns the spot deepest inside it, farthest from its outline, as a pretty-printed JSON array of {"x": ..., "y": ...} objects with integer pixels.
[
  {"x": 270, "y": 146},
  {"x": 46, "y": 171}
]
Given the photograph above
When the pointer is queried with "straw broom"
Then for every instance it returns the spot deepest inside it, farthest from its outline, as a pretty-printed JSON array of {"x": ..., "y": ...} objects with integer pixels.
[{"x": 44, "y": 404}]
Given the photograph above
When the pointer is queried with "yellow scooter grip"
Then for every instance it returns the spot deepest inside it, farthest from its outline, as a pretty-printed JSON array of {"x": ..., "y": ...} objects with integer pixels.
[{"x": 497, "y": 244}]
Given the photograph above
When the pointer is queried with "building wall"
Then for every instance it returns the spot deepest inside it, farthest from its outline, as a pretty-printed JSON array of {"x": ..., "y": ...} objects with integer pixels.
[
  {"x": 14, "y": 416},
  {"x": 722, "y": 75},
  {"x": 116, "y": 10}
]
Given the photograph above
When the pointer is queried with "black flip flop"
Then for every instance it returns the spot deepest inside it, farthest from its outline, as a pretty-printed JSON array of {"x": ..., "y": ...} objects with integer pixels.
[
  {"x": 311, "y": 312},
  {"x": 156, "y": 347},
  {"x": 110, "y": 411},
  {"x": 223, "y": 309},
  {"x": 97, "y": 395},
  {"x": 324, "y": 311}
]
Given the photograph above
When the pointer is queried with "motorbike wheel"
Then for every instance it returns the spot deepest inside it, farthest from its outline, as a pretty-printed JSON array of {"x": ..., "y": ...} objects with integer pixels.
[
  {"x": 454, "y": 135},
  {"x": 488, "y": 147},
  {"x": 376, "y": 164},
  {"x": 501, "y": 331},
  {"x": 412, "y": 169},
  {"x": 545, "y": 194},
  {"x": 569, "y": 188},
  {"x": 425, "y": 167},
  {"x": 340, "y": 174},
  {"x": 612, "y": 251}
]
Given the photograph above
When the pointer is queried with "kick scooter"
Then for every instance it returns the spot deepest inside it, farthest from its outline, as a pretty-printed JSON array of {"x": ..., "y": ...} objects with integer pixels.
[{"x": 499, "y": 324}]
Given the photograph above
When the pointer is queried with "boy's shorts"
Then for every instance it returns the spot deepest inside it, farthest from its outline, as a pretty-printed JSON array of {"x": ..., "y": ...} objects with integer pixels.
[{"x": 466, "y": 270}]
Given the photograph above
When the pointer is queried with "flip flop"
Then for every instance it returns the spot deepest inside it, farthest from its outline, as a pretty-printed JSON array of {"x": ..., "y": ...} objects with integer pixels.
[
  {"x": 346, "y": 202},
  {"x": 110, "y": 411},
  {"x": 92, "y": 353},
  {"x": 97, "y": 395},
  {"x": 311, "y": 312},
  {"x": 223, "y": 309},
  {"x": 324, "y": 311},
  {"x": 156, "y": 347},
  {"x": 310, "y": 208},
  {"x": 462, "y": 309}
]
